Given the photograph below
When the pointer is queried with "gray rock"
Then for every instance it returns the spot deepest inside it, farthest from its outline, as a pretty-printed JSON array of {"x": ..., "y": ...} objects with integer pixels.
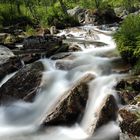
[
  {"x": 8, "y": 62},
  {"x": 74, "y": 48},
  {"x": 130, "y": 120},
  {"x": 53, "y": 30},
  {"x": 71, "y": 105},
  {"x": 23, "y": 85},
  {"x": 78, "y": 13},
  {"x": 5, "y": 53}
]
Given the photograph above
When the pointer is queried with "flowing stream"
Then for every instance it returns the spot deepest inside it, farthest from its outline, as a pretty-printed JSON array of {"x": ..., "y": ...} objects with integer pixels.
[{"x": 21, "y": 121}]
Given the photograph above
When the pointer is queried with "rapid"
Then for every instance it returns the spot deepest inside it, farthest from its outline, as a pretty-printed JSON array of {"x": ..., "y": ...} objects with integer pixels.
[{"x": 21, "y": 120}]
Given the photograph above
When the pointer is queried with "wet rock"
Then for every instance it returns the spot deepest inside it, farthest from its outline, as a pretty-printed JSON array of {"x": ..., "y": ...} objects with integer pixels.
[
  {"x": 74, "y": 48},
  {"x": 5, "y": 53},
  {"x": 108, "y": 111},
  {"x": 136, "y": 84},
  {"x": 24, "y": 85},
  {"x": 36, "y": 47},
  {"x": 130, "y": 120},
  {"x": 64, "y": 65},
  {"x": 128, "y": 89},
  {"x": 127, "y": 96},
  {"x": 121, "y": 85},
  {"x": 61, "y": 56},
  {"x": 8, "y": 66},
  {"x": 8, "y": 62},
  {"x": 42, "y": 42},
  {"x": 136, "y": 101},
  {"x": 70, "y": 107},
  {"x": 120, "y": 66},
  {"x": 31, "y": 55}
]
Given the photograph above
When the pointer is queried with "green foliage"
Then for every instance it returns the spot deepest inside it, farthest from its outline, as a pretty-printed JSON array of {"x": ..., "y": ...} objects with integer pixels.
[
  {"x": 56, "y": 17},
  {"x": 128, "y": 38},
  {"x": 123, "y": 3},
  {"x": 9, "y": 16},
  {"x": 30, "y": 30},
  {"x": 136, "y": 68}
]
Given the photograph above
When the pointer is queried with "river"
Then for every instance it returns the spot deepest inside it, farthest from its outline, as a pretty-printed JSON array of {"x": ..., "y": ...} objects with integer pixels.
[{"x": 21, "y": 121}]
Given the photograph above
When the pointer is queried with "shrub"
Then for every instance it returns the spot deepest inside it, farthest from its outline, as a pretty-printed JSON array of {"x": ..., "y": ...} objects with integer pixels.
[
  {"x": 128, "y": 38},
  {"x": 9, "y": 16},
  {"x": 30, "y": 31},
  {"x": 136, "y": 68},
  {"x": 55, "y": 17}
]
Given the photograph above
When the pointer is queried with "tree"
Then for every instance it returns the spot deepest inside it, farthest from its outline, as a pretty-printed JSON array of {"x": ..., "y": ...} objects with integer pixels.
[{"x": 63, "y": 6}]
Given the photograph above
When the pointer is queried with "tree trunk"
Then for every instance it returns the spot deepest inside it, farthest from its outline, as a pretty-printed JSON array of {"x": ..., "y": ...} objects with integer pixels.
[
  {"x": 97, "y": 4},
  {"x": 63, "y": 6}
]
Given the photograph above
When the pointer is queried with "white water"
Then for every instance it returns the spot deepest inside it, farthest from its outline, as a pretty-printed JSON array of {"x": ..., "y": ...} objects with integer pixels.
[{"x": 20, "y": 121}]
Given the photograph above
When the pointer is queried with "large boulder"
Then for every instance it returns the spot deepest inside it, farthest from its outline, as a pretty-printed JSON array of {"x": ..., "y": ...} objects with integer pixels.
[
  {"x": 99, "y": 17},
  {"x": 23, "y": 85},
  {"x": 129, "y": 115},
  {"x": 130, "y": 120},
  {"x": 71, "y": 105},
  {"x": 5, "y": 52},
  {"x": 47, "y": 45},
  {"x": 36, "y": 47},
  {"x": 9, "y": 66},
  {"x": 8, "y": 62},
  {"x": 78, "y": 13},
  {"x": 107, "y": 112},
  {"x": 42, "y": 42}
]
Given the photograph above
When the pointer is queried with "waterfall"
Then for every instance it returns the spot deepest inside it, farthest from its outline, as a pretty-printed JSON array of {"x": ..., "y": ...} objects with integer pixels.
[{"x": 21, "y": 121}]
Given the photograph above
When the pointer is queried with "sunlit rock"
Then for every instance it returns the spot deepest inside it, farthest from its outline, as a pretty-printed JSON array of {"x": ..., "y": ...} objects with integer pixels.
[
  {"x": 53, "y": 30},
  {"x": 5, "y": 52},
  {"x": 108, "y": 111},
  {"x": 70, "y": 107},
  {"x": 78, "y": 13}
]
